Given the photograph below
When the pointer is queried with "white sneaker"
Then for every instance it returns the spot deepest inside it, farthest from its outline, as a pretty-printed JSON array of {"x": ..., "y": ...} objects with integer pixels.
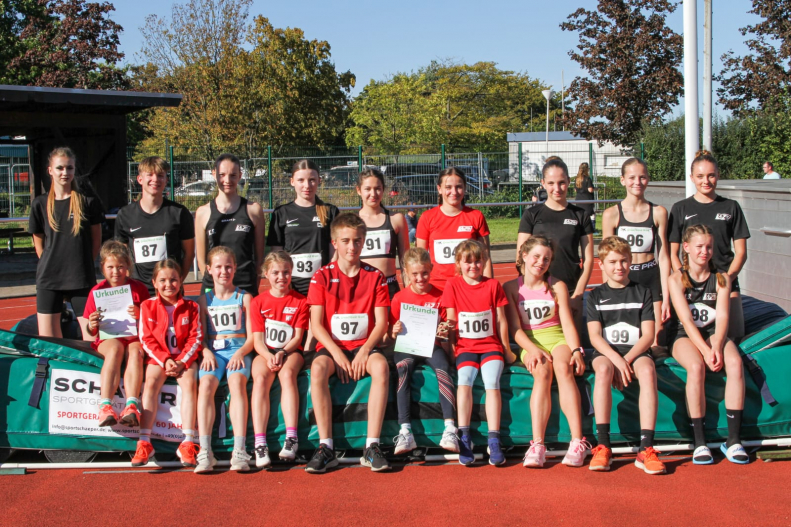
[
  {"x": 262, "y": 457},
  {"x": 206, "y": 461},
  {"x": 289, "y": 452},
  {"x": 449, "y": 441},
  {"x": 577, "y": 452},
  {"x": 240, "y": 460},
  {"x": 404, "y": 443}
]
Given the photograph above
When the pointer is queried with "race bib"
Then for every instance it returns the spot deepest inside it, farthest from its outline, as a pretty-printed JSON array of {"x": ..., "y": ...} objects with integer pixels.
[
  {"x": 534, "y": 312},
  {"x": 702, "y": 315},
  {"x": 640, "y": 239},
  {"x": 376, "y": 242},
  {"x": 152, "y": 249},
  {"x": 349, "y": 327},
  {"x": 445, "y": 251},
  {"x": 622, "y": 334},
  {"x": 277, "y": 333},
  {"x": 476, "y": 325},
  {"x": 170, "y": 338},
  {"x": 226, "y": 318},
  {"x": 305, "y": 265}
]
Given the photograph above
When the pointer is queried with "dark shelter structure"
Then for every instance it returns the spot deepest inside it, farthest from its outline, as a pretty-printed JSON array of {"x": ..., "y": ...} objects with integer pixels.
[{"x": 90, "y": 122}]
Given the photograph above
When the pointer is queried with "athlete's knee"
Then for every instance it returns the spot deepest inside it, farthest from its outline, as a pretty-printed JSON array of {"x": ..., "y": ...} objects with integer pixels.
[
  {"x": 319, "y": 370},
  {"x": 490, "y": 373},
  {"x": 377, "y": 368},
  {"x": 696, "y": 370},
  {"x": 645, "y": 370},
  {"x": 467, "y": 375},
  {"x": 603, "y": 368},
  {"x": 734, "y": 365}
]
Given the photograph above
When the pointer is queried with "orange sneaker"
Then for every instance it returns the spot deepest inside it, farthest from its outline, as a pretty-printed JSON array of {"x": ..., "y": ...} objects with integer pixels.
[
  {"x": 187, "y": 452},
  {"x": 144, "y": 450},
  {"x": 107, "y": 415},
  {"x": 649, "y": 462},
  {"x": 602, "y": 459},
  {"x": 130, "y": 416}
]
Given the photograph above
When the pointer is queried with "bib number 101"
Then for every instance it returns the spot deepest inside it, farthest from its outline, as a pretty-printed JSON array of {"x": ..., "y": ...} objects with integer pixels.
[{"x": 224, "y": 319}]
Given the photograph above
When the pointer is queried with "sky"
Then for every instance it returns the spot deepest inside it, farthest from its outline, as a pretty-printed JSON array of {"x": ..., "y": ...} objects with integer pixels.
[{"x": 375, "y": 39}]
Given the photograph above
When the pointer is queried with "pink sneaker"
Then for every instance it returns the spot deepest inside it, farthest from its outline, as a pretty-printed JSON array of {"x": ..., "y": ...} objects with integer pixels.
[
  {"x": 577, "y": 452},
  {"x": 536, "y": 455}
]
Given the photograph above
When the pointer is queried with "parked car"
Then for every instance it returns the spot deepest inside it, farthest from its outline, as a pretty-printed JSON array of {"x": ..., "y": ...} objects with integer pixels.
[
  {"x": 257, "y": 188},
  {"x": 419, "y": 180},
  {"x": 196, "y": 189}
]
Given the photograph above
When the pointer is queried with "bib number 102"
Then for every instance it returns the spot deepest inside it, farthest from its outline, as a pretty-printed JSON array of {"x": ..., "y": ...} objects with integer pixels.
[{"x": 476, "y": 326}]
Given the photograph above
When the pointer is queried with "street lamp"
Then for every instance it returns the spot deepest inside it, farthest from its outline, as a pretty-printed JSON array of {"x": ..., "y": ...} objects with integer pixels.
[{"x": 547, "y": 95}]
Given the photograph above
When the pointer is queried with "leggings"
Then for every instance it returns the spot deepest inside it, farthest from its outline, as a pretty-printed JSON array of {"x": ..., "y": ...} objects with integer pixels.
[
  {"x": 406, "y": 367},
  {"x": 491, "y": 365}
]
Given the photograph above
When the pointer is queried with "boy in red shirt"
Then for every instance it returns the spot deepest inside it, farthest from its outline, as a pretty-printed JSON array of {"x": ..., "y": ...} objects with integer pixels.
[{"x": 348, "y": 316}]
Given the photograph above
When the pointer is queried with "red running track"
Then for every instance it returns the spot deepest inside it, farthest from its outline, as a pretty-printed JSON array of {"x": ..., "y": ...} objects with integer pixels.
[{"x": 12, "y": 310}]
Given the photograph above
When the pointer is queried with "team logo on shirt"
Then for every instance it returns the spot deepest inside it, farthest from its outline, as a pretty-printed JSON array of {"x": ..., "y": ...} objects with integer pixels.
[
  {"x": 211, "y": 232},
  {"x": 316, "y": 218},
  {"x": 289, "y": 317},
  {"x": 570, "y": 222},
  {"x": 185, "y": 321},
  {"x": 334, "y": 281},
  {"x": 291, "y": 310},
  {"x": 710, "y": 296},
  {"x": 723, "y": 216},
  {"x": 226, "y": 220},
  {"x": 465, "y": 228},
  {"x": 243, "y": 228}
]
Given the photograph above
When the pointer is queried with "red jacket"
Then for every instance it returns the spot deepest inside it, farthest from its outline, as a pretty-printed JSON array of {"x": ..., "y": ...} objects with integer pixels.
[{"x": 186, "y": 324}]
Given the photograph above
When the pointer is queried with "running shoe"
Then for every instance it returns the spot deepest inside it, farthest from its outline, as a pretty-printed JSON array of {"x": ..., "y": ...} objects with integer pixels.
[
  {"x": 702, "y": 456},
  {"x": 262, "y": 459},
  {"x": 374, "y": 458},
  {"x": 577, "y": 452},
  {"x": 107, "y": 415},
  {"x": 143, "y": 452},
  {"x": 649, "y": 462},
  {"x": 206, "y": 461},
  {"x": 735, "y": 454},
  {"x": 602, "y": 459},
  {"x": 449, "y": 441},
  {"x": 466, "y": 457},
  {"x": 240, "y": 460},
  {"x": 290, "y": 448},
  {"x": 496, "y": 456},
  {"x": 322, "y": 459},
  {"x": 130, "y": 416},
  {"x": 404, "y": 443},
  {"x": 186, "y": 452},
  {"x": 535, "y": 456}
]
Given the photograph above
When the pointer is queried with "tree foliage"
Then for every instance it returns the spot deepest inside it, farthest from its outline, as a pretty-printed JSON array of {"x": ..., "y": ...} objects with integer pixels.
[
  {"x": 631, "y": 58},
  {"x": 460, "y": 105},
  {"x": 764, "y": 74},
  {"x": 245, "y": 84},
  {"x": 61, "y": 44}
]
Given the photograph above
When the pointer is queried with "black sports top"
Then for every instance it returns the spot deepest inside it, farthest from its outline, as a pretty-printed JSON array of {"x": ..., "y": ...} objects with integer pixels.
[
  {"x": 640, "y": 235},
  {"x": 380, "y": 242},
  {"x": 236, "y": 231},
  {"x": 702, "y": 301},
  {"x": 621, "y": 313}
]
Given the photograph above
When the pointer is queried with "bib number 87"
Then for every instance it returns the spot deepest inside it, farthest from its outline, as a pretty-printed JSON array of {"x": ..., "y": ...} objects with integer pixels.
[
  {"x": 476, "y": 326},
  {"x": 349, "y": 328},
  {"x": 149, "y": 250}
]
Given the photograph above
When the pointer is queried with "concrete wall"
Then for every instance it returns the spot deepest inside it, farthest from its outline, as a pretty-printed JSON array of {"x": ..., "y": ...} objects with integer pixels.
[{"x": 767, "y": 208}]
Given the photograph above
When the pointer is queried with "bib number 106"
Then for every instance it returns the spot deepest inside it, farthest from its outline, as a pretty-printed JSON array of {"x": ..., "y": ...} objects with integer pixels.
[{"x": 476, "y": 326}]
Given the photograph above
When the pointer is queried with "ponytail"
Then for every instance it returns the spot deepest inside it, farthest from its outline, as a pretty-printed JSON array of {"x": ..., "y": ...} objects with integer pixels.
[
  {"x": 695, "y": 230},
  {"x": 76, "y": 204}
]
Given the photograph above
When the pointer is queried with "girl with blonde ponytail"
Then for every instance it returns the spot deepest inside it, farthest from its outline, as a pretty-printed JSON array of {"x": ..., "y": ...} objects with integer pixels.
[
  {"x": 697, "y": 334},
  {"x": 67, "y": 235}
]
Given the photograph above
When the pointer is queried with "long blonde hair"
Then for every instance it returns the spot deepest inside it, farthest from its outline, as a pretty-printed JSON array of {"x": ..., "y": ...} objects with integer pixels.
[
  {"x": 694, "y": 230},
  {"x": 322, "y": 209},
  {"x": 525, "y": 249},
  {"x": 582, "y": 174},
  {"x": 76, "y": 205},
  {"x": 415, "y": 255}
]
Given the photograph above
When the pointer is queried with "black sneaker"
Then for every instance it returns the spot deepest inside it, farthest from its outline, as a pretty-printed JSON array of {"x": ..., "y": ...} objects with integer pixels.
[
  {"x": 373, "y": 457},
  {"x": 322, "y": 459}
]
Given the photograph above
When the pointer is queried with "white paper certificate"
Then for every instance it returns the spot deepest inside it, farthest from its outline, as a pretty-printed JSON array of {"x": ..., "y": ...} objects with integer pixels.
[
  {"x": 418, "y": 331},
  {"x": 116, "y": 321}
]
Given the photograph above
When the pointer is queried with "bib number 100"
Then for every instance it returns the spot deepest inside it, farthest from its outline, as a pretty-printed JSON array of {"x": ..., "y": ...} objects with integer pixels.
[{"x": 277, "y": 335}]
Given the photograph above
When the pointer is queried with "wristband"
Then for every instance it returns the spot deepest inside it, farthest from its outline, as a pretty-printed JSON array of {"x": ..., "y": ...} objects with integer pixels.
[{"x": 580, "y": 350}]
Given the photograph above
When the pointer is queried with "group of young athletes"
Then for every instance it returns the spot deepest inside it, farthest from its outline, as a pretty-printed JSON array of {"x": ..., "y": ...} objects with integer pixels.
[{"x": 333, "y": 299}]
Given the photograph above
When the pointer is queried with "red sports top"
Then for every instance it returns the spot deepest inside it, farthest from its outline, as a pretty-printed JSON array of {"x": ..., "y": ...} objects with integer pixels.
[
  {"x": 292, "y": 309},
  {"x": 444, "y": 233},
  {"x": 406, "y": 296},
  {"x": 343, "y": 297},
  {"x": 139, "y": 293},
  {"x": 476, "y": 313}
]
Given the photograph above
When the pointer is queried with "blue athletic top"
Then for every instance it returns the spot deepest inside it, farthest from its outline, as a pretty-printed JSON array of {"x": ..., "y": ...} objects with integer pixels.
[{"x": 226, "y": 317}]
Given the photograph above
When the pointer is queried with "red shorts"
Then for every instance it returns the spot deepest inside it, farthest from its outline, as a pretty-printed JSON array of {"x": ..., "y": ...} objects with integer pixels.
[{"x": 126, "y": 341}]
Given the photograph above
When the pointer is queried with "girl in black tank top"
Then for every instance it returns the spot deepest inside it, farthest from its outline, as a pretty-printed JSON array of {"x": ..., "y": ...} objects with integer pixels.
[
  {"x": 383, "y": 241},
  {"x": 231, "y": 221},
  {"x": 699, "y": 328},
  {"x": 646, "y": 237}
]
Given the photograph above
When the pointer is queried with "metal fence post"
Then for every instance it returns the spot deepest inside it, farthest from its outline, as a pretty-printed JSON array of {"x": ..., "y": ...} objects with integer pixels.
[
  {"x": 642, "y": 151},
  {"x": 590, "y": 162},
  {"x": 360, "y": 168},
  {"x": 520, "y": 179},
  {"x": 269, "y": 172},
  {"x": 442, "y": 156},
  {"x": 172, "y": 192}
]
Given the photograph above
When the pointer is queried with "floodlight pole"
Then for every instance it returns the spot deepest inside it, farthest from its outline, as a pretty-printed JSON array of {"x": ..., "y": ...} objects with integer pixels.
[
  {"x": 707, "y": 53},
  {"x": 547, "y": 95},
  {"x": 691, "y": 125}
]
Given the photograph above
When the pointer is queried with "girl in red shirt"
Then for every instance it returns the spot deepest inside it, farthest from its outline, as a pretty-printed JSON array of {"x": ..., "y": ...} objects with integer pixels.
[
  {"x": 441, "y": 229},
  {"x": 171, "y": 335},
  {"x": 279, "y": 318},
  {"x": 116, "y": 261},
  {"x": 476, "y": 310}
]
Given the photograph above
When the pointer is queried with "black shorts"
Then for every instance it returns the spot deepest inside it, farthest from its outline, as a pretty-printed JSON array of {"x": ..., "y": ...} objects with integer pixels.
[
  {"x": 647, "y": 275},
  {"x": 597, "y": 354},
  {"x": 50, "y": 301},
  {"x": 674, "y": 330},
  {"x": 392, "y": 286},
  {"x": 349, "y": 354},
  {"x": 735, "y": 286}
]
